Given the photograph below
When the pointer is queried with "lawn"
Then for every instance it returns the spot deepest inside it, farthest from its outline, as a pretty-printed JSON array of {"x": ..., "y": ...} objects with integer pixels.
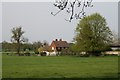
[{"x": 59, "y": 67}]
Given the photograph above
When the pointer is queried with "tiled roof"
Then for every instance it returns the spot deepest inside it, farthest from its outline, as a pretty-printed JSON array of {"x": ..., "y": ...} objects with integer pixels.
[{"x": 61, "y": 43}]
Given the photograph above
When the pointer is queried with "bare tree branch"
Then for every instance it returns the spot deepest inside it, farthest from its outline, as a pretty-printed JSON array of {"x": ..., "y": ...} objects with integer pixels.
[{"x": 70, "y": 7}]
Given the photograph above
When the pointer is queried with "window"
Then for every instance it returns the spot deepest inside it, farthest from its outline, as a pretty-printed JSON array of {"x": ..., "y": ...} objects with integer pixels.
[{"x": 52, "y": 48}]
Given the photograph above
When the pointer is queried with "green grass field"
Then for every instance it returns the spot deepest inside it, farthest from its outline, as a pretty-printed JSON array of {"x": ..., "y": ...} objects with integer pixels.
[{"x": 59, "y": 67}]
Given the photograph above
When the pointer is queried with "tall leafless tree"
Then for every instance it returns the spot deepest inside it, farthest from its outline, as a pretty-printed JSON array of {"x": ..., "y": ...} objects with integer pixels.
[{"x": 17, "y": 37}]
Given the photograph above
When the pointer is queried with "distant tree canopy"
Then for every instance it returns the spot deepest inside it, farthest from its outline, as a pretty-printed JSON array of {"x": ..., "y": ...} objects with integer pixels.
[
  {"x": 116, "y": 40},
  {"x": 11, "y": 47},
  {"x": 92, "y": 34},
  {"x": 37, "y": 45},
  {"x": 6, "y": 46}
]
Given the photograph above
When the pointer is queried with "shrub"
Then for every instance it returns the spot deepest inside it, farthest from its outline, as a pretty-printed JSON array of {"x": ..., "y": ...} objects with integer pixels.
[{"x": 43, "y": 53}]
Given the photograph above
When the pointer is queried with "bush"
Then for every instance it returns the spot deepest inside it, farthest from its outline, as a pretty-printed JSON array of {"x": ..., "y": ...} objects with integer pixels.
[
  {"x": 43, "y": 53},
  {"x": 36, "y": 52},
  {"x": 27, "y": 54},
  {"x": 84, "y": 55},
  {"x": 117, "y": 50},
  {"x": 110, "y": 55}
]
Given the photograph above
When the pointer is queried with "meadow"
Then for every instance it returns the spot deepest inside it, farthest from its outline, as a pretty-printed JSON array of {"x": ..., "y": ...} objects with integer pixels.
[{"x": 59, "y": 67}]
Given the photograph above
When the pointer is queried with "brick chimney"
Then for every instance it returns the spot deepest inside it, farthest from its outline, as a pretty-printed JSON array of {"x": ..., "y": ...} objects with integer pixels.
[
  {"x": 56, "y": 40},
  {"x": 60, "y": 40}
]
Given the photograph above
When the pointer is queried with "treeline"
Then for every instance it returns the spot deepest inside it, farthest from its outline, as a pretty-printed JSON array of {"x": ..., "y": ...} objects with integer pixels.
[{"x": 11, "y": 47}]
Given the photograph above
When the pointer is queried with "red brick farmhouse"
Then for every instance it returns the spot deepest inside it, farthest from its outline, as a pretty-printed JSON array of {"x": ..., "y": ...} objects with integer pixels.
[{"x": 59, "y": 45}]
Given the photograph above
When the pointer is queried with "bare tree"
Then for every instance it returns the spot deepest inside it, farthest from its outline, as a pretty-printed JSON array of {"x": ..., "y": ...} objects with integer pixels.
[
  {"x": 70, "y": 7},
  {"x": 17, "y": 37}
]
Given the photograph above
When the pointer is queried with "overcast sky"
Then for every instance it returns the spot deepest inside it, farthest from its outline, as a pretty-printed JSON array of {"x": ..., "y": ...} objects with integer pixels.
[{"x": 39, "y": 24}]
